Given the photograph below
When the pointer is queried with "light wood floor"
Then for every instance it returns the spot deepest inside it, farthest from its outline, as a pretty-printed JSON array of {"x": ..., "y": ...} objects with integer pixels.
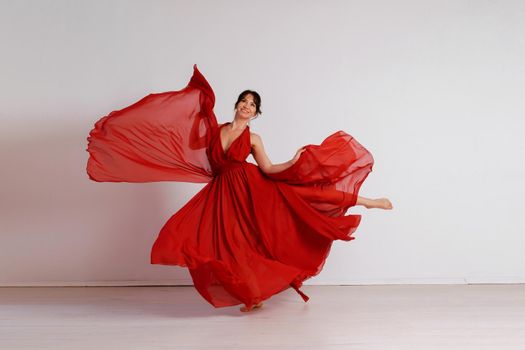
[{"x": 336, "y": 317}]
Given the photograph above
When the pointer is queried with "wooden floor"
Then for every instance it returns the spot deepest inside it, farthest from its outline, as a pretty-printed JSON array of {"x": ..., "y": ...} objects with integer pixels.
[{"x": 336, "y": 317}]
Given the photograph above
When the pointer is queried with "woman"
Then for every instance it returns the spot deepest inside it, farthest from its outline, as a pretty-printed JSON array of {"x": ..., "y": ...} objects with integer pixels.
[{"x": 253, "y": 230}]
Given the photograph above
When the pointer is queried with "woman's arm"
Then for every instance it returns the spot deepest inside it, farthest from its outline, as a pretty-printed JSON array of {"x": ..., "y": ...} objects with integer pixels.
[{"x": 262, "y": 159}]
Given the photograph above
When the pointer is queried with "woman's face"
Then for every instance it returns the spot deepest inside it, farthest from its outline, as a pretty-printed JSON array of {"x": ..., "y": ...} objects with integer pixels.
[{"x": 246, "y": 107}]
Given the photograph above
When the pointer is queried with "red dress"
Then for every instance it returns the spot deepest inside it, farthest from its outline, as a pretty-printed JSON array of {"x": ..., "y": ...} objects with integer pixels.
[{"x": 245, "y": 235}]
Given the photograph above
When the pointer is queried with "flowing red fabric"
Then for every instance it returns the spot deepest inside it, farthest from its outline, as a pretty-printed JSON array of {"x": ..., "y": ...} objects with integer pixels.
[{"x": 246, "y": 235}]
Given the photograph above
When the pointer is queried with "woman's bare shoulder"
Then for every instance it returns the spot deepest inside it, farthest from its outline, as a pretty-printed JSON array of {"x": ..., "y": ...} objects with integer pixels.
[
  {"x": 254, "y": 136},
  {"x": 255, "y": 139}
]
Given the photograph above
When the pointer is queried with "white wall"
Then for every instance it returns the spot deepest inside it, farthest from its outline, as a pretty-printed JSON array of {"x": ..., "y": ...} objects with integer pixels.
[{"x": 434, "y": 89}]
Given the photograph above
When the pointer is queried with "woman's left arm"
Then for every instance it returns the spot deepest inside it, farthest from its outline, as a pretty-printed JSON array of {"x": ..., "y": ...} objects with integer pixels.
[{"x": 262, "y": 159}]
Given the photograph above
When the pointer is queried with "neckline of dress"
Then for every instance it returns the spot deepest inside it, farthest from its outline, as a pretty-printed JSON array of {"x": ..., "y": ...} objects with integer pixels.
[{"x": 231, "y": 143}]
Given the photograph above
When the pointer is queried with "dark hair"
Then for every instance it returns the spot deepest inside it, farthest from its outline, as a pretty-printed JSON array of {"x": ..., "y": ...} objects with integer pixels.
[{"x": 256, "y": 99}]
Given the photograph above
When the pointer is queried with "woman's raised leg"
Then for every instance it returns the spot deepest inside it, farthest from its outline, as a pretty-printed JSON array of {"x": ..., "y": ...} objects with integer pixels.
[{"x": 381, "y": 203}]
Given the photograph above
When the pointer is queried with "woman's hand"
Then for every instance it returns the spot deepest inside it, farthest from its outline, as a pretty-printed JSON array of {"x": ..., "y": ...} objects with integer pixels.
[{"x": 298, "y": 154}]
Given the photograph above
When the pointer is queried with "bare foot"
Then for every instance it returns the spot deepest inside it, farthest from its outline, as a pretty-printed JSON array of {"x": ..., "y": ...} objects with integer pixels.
[
  {"x": 381, "y": 203},
  {"x": 255, "y": 306}
]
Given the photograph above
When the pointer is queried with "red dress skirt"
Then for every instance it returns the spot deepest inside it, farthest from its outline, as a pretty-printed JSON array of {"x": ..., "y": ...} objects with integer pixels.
[{"x": 245, "y": 235}]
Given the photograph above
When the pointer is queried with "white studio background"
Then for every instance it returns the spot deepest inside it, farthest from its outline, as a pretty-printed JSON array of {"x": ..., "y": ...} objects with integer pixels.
[{"x": 434, "y": 89}]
